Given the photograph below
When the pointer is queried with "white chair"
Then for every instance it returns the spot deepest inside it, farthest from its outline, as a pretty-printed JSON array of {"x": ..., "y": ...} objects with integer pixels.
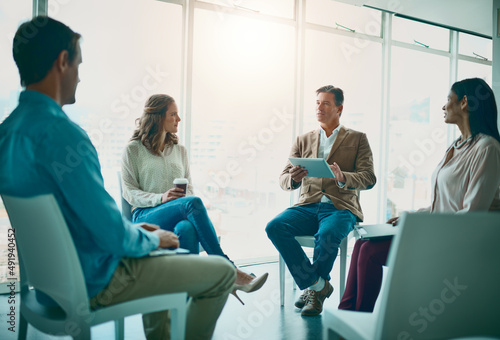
[
  {"x": 49, "y": 263},
  {"x": 126, "y": 207},
  {"x": 308, "y": 241},
  {"x": 442, "y": 282}
]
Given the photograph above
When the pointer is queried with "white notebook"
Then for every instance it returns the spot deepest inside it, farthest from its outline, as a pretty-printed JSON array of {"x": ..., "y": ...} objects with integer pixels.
[
  {"x": 165, "y": 251},
  {"x": 376, "y": 231}
]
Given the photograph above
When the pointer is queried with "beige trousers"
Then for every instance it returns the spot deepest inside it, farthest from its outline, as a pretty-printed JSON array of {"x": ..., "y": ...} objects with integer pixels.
[{"x": 207, "y": 279}]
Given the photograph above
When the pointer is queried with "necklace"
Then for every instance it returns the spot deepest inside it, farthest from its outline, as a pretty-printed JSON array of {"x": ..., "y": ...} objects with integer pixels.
[{"x": 457, "y": 145}]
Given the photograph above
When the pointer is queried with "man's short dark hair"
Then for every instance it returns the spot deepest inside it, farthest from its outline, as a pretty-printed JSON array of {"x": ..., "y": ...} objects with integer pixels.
[
  {"x": 337, "y": 93},
  {"x": 37, "y": 44}
]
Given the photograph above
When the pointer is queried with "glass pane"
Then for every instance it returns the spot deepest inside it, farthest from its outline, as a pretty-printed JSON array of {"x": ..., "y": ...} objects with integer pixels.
[
  {"x": 417, "y": 133},
  {"x": 131, "y": 49},
  {"x": 469, "y": 44},
  {"x": 13, "y": 13},
  {"x": 355, "y": 67},
  {"x": 410, "y": 31},
  {"x": 328, "y": 13},
  {"x": 279, "y": 8},
  {"x": 242, "y": 119},
  {"x": 467, "y": 69}
]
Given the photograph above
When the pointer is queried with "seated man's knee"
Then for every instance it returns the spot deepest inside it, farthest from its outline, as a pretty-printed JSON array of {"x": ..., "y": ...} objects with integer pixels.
[
  {"x": 224, "y": 267},
  {"x": 330, "y": 238},
  {"x": 273, "y": 228}
]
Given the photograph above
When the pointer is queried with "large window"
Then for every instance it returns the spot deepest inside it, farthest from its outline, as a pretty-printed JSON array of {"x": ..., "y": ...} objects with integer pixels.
[
  {"x": 355, "y": 66},
  {"x": 344, "y": 17},
  {"x": 242, "y": 119},
  {"x": 417, "y": 133},
  {"x": 131, "y": 49},
  {"x": 420, "y": 34}
]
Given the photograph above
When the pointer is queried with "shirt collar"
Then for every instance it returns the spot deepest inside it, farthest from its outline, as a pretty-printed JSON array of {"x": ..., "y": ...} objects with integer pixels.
[
  {"x": 322, "y": 132},
  {"x": 34, "y": 97}
]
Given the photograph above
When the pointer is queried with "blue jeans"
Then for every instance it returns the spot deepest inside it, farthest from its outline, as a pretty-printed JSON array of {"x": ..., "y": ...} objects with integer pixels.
[
  {"x": 186, "y": 217},
  {"x": 326, "y": 223}
]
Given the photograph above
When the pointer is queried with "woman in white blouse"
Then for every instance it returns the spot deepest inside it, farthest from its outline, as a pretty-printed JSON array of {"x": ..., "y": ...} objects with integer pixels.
[
  {"x": 466, "y": 179},
  {"x": 150, "y": 163}
]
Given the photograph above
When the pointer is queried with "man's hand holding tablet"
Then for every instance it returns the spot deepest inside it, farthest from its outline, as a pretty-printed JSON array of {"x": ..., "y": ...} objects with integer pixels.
[{"x": 311, "y": 167}]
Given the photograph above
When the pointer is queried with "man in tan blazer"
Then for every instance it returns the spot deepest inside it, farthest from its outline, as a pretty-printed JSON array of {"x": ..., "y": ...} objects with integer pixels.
[{"x": 328, "y": 208}]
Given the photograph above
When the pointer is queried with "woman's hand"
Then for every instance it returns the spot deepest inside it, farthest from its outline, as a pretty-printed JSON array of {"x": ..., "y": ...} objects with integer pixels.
[
  {"x": 172, "y": 194},
  {"x": 167, "y": 239},
  {"x": 393, "y": 221}
]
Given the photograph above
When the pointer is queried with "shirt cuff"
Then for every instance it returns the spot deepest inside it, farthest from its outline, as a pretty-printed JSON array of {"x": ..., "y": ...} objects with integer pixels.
[
  {"x": 158, "y": 199},
  {"x": 341, "y": 184},
  {"x": 154, "y": 239}
]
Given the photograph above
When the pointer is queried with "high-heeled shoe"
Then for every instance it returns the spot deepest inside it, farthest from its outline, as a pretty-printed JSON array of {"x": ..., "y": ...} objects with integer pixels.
[{"x": 250, "y": 287}]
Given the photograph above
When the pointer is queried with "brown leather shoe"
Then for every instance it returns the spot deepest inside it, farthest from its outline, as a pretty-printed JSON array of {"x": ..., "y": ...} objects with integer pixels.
[
  {"x": 301, "y": 301},
  {"x": 314, "y": 303}
]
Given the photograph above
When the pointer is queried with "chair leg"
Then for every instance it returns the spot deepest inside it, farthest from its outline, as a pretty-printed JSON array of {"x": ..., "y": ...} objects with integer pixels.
[
  {"x": 22, "y": 331},
  {"x": 282, "y": 280},
  {"x": 329, "y": 334},
  {"x": 177, "y": 324},
  {"x": 343, "y": 260},
  {"x": 84, "y": 334},
  {"x": 119, "y": 329}
]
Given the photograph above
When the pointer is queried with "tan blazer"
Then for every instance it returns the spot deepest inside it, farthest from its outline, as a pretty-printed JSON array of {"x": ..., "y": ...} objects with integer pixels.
[{"x": 353, "y": 155}]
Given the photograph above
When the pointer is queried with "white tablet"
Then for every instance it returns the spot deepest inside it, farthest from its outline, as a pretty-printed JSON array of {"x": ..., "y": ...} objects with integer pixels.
[
  {"x": 166, "y": 251},
  {"x": 316, "y": 167}
]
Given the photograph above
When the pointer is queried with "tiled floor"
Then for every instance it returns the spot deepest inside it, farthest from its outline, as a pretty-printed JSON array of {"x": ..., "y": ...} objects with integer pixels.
[{"x": 261, "y": 317}]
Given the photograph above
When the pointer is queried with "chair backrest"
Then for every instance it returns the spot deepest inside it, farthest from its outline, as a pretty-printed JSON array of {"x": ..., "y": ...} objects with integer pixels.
[
  {"x": 126, "y": 207},
  {"x": 47, "y": 254},
  {"x": 443, "y": 279}
]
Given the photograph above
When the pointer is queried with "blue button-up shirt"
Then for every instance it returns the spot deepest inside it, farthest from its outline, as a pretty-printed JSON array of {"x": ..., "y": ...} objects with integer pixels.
[{"x": 43, "y": 151}]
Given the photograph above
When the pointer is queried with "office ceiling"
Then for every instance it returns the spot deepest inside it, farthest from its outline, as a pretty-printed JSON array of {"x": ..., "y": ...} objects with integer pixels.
[{"x": 468, "y": 15}]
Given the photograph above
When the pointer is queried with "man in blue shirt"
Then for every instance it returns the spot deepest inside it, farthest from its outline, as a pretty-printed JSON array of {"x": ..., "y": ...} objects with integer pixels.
[{"x": 43, "y": 151}]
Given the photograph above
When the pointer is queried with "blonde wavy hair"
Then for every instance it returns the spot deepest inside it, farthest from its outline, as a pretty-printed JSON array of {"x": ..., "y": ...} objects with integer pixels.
[{"x": 150, "y": 125}]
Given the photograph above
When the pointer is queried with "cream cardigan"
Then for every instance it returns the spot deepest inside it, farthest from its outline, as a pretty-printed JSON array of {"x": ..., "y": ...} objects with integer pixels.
[
  {"x": 470, "y": 179},
  {"x": 145, "y": 176}
]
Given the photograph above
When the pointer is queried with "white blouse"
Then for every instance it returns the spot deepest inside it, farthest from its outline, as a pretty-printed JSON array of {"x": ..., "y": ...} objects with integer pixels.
[
  {"x": 468, "y": 178},
  {"x": 146, "y": 177}
]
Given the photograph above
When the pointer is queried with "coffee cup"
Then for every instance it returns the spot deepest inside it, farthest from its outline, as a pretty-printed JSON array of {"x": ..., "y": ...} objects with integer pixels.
[{"x": 181, "y": 183}]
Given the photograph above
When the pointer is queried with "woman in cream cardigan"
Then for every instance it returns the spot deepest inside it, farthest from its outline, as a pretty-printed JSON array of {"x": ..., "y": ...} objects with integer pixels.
[
  {"x": 466, "y": 179},
  {"x": 150, "y": 163}
]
